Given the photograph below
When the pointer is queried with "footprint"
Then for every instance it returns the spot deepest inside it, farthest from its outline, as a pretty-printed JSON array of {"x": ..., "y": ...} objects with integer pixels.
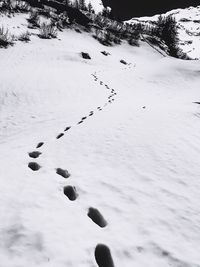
[
  {"x": 103, "y": 256},
  {"x": 96, "y": 217},
  {"x": 84, "y": 118},
  {"x": 91, "y": 113},
  {"x": 60, "y": 135},
  {"x": 34, "y": 154},
  {"x": 39, "y": 144},
  {"x": 67, "y": 128},
  {"x": 34, "y": 166},
  {"x": 70, "y": 192},
  {"x": 105, "y": 53},
  {"x": 80, "y": 122},
  {"x": 63, "y": 173}
]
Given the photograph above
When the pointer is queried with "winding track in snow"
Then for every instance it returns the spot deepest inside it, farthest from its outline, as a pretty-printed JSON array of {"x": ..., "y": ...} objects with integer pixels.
[{"x": 102, "y": 252}]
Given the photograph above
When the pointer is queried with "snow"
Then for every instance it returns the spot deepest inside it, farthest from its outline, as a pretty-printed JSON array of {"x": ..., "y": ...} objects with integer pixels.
[
  {"x": 97, "y": 5},
  {"x": 188, "y": 20},
  {"x": 136, "y": 160}
]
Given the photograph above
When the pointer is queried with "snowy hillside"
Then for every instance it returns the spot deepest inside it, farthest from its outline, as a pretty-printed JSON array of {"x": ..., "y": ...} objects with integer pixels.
[
  {"x": 189, "y": 28},
  {"x": 95, "y": 151},
  {"x": 97, "y": 5}
]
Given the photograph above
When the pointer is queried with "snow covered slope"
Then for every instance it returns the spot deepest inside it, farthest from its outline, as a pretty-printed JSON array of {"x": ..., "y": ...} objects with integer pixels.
[
  {"x": 189, "y": 29},
  {"x": 97, "y": 4},
  {"x": 132, "y": 153}
]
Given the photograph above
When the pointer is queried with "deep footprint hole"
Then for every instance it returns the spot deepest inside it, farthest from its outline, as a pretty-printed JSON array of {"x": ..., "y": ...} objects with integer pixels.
[
  {"x": 34, "y": 166},
  {"x": 97, "y": 217},
  {"x": 34, "y": 154},
  {"x": 60, "y": 135},
  {"x": 70, "y": 192},
  {"x": 40, "y": 144},
  {"x": 67, "y": 128},
  {"x": 103, "y": 256},
  {"x": 63, "y": 173}
]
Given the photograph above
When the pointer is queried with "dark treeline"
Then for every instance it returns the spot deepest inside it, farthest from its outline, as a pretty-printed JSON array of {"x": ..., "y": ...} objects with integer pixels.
[{"x": 73, "y": 13}]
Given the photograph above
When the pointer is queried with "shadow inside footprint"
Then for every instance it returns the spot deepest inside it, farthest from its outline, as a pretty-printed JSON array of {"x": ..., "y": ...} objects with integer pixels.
[
  {"x": 60, "y": 135},
  {"x": 34, "y": 154},
  {"x": 34, "y": 166},
  {"x": 105, "y": 53},
  {"x": 67, "y": 128},
  {"x": 63, "y": 173},
  {"x": 96, "y": 217},
  {"x": 39, "y": 144},
  {"x": 70, "y": 192},
  {"x": 103, "y": 256},
  {"x": 85, "y": 55}
]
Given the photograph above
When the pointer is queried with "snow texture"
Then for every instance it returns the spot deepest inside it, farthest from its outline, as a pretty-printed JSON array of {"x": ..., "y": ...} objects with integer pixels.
[{"x": 131, "y": 145}]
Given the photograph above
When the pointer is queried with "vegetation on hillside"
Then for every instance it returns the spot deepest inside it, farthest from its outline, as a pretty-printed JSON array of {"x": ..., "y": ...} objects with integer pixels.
[{"x": 63, "y": 13}]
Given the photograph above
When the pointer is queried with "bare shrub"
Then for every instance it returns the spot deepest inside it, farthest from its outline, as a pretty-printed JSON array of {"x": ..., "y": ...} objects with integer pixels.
[
  {"x": 6, "y": 6},
  {"x": 47, "y": 31},
  {"x": 133, "y": 42},
  {"x": 34, "y": 19},
  {"x": 106, "y": 37},
  {"x": 24, "y": 37},
  {"x": 60, "y": 21},
  {"x": 21, "y": 6},
  {"x": 109, "y": 31},
  {"x": 6, "y": 38}
]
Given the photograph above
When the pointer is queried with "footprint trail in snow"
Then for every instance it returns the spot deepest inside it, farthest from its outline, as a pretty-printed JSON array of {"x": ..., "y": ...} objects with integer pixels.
[{"x": 102, "y": 252}]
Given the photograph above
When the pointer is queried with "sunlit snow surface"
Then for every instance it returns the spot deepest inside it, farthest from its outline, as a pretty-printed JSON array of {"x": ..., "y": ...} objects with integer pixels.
[{"x": 135, "y": 159}]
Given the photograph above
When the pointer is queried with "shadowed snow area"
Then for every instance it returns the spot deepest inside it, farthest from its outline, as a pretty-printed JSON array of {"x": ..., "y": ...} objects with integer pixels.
[{"x": 139, "y": 166}]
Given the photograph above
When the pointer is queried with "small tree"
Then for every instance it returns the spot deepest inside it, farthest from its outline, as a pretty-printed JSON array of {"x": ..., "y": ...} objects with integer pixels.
[
  {"x": 90, "y": 8},
  {"x": 82, "y": 5},
  {"x": 76, "y": 4},
  {"x": 106, "y": 12},
  {"x": 167, "y": 30}
]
